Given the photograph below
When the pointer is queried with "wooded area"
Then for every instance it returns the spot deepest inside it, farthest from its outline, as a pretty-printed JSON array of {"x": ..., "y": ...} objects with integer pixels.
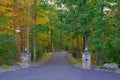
[{"x": 76, "y": 26}]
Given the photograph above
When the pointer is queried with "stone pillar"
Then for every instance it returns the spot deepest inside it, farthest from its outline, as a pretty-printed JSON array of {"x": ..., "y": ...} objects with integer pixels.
[
  {"x": 86, "y": 60},
  {"x": 25, "y": 60}
]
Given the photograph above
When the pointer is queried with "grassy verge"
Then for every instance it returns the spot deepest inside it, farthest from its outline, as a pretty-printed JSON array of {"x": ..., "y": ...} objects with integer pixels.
[
  {"x": 45, "y": 58},
  {"x": 73, "y": 60}
]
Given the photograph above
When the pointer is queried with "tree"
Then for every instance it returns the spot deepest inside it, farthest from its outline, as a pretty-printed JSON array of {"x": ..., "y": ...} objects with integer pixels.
[{"x": 28, "y": 28}]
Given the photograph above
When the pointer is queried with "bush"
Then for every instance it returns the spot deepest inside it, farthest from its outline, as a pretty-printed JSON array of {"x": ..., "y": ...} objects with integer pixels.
[
  {"x": 8, "y": 63},
  {"x": 7, "y": 47},
  {"x": 74, "y": 54}
]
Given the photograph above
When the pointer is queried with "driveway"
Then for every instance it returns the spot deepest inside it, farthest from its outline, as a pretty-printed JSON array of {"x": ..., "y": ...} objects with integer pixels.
[{"x": 58, "y": 68}]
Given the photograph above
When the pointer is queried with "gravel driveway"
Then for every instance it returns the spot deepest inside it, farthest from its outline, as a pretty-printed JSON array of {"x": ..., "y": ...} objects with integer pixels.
[{"x": 58, "y": 68}]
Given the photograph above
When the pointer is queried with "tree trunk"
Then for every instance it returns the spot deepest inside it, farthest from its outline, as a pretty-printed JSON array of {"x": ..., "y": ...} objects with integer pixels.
[
  {"x": 67, "y": 47},
  {"x": 97, "y": 57},
  {"x": 60, "y": 40},
  {"x": 78, "y": 44},
  {"x": 28, "y": 28},
  {"x": 34, "y": 46},
  {"x": 85, "y": 39},
  {"x": 14, "y": 25},
  {"x": 97, "y": 51},
  {"x": 72, "y": 46},
  {"x": 51, "y": 44}
]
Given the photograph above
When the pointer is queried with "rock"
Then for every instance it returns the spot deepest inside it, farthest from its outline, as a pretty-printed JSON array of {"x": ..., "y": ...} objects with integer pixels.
[
  {"x": 18, "y": 66},
  {"x": 14, "y": 68},
  {"x": 111, "y": 65},
  {"x": 3, "y": 70},
  {"x": 34, "y": 64},
  {"x": 118, "y": 70},
  {"x": 24, "y": 65},
  {"x": 78, "y": 66}
]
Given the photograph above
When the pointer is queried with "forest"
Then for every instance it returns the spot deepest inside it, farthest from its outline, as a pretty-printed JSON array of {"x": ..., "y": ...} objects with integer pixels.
[{"x": 42, "y": 26}]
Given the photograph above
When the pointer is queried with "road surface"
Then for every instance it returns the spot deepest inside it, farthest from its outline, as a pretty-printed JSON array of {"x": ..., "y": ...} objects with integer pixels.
[{"x": 58, "y": 68}]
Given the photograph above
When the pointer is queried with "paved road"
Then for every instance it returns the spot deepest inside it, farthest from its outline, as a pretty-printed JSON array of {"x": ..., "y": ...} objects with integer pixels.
[{"x": 58, "y": 68}]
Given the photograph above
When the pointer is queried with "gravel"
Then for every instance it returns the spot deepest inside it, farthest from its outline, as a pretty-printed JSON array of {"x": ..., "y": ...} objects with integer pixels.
[{"x": 17, "y": 67}]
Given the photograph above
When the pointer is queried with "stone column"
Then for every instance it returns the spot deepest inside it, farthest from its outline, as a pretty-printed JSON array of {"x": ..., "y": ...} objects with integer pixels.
[
  {"x": 25, "y": 60},
  {"x": 86, "y": 60}
]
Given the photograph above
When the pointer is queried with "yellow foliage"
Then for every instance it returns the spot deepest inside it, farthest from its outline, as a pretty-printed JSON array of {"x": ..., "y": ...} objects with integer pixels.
[
  {"x": 9, "y": 14},
  {"x": 2, "y": 9},
  {"x": 5, "y": 6},
  {"x": 51, "y": 27},
  {"x": 42, "y": 20},
  {"x": 41, "y": 35},
  {"x": 6, "y": 2}
]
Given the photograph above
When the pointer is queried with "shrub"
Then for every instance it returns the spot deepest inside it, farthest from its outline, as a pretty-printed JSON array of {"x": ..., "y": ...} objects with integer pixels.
[{"x": 4, "y": 66}]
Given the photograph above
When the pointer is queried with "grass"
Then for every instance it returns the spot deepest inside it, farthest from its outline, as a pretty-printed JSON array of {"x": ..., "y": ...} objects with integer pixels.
[
  {"x": 73, "y": 60},
  {"x": 4, "y": 66},
  {"x": 45, "y": 58}
]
